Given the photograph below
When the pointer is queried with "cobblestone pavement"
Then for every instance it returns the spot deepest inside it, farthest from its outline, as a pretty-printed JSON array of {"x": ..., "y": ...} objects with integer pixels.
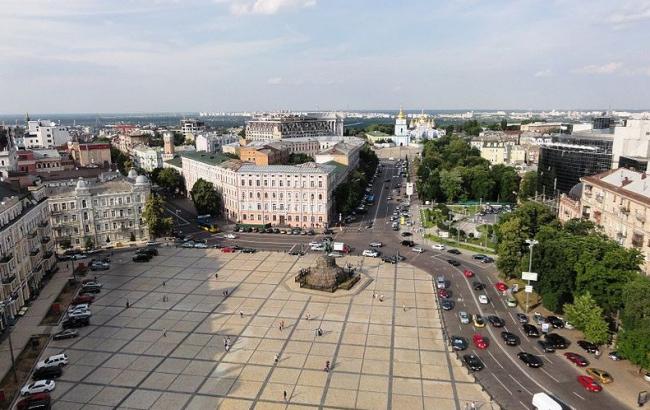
[{"x": 167, "y": 350}]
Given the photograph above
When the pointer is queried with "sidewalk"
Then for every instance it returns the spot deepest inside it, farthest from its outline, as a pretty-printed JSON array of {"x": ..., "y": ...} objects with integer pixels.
[{"x": 28, "y": 325}]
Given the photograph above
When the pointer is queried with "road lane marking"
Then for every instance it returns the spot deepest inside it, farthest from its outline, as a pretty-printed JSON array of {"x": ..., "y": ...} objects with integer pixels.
[
  {"x": 578, "y": 395},
  {"x": 521, "y": 385},
  {"x": 549, "y": 375},
  {"x": 522, "y": 403},
  {"x": 501, "y": 383},
  {"x": 495, "y": 359}
]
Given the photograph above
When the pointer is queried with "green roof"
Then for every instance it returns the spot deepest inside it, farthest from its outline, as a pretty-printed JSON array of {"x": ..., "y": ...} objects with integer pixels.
[
  {"x": 176, "y": 161},
  {"x": 339, "y": 167},
  {"x": 377, "y": 134},
  {"x": 206, "y": 157}
]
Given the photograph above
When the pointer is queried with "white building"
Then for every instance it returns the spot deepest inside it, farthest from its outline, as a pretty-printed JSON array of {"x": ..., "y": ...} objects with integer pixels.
[
  {"x": 45, "y": 134},
  {"x": 279, "y": 126},
  {"x": 191, "y": 127},
  {"x": 632, "y": 141},
  {"x": 26, "y": 250},
  {"x": 423, "y": 127},
  {"x": 103, "y": 211},
  {"x": 402, "y": 137},
  {"x": 147, "y": 158},
  {"x": 213, "y": 142}
]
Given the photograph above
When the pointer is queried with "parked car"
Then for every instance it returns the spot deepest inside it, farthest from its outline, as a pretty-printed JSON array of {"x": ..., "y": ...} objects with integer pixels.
[
  {"x": 458, "y": 343},
  {"x": 476, "y": 285},
  {"x": 228, "y": 249},
  {"x": 615, "y": 356},
  {"x": 376, "y": 244},
  {"x": 546, "y": 346},
  {"x": 143, "y": 257},
  {"x": 57, "y": 360},
  {"x": 248, "y": 250},
  {"x": 417, "y": 249},
  {"x": 557, "y": 341},
  {"x": 496, "y": 321},
  {"x": 230, "y": 236},
  {"x": 443, "y": 293},
  {"x": 511, "y": 302},
  {"x": 200, "y": 245},
  {"x": 389, "y": 259},
  {"x": 371, "y": 253},
  {"x": 406, "y": 234},
  {"x": 576, "y": 359},
  {"x": 454, "y": 251},
  {"x": 296, "y": 252},
  {"x": 600, "y": 375},
  {"x": 335, "y": 254},
  {"x": 35, "y": 401},
  {"x": 530, "y": 360},
  {"x": 478, "y": 321},
  {"x": 187, "y": 244},
  {"x": 501, "y": 287},
  {"x": 556, "y": 322},
  {"x": 473, "y": 362},
  {"x": 589, "y": 384},
  {"x": 438, "y": 247},
  {"x": 78, "y": 306},
  {"x": 408, "y": 243},
  {"x": 530, "y": 330},
  {"x": 79, "y": 314},
  {"x": 587, "y": 346},
  {"x": 92, "y": 284},
  {"x": 65, "y": 334},
  {"x": 47, "y": 373},
  {"x": 447, "y": 304},
  {"x": 480, "y": 341},
  {"x": 483, "y": 299},
  {"x": 510, "y": 339},
  {"x": 70, "y": 323},
  {"x": 38, "y": 386},
  {"x": 464, "y": 317},
  {"x": 522, "y": 318}
]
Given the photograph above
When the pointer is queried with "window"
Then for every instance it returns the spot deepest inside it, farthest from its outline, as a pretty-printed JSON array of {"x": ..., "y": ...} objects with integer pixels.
[{"x": 320, "y": 197}]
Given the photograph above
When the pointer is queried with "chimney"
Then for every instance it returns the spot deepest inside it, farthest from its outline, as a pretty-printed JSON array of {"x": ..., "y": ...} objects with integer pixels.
[{"x": 626, "y": 181}]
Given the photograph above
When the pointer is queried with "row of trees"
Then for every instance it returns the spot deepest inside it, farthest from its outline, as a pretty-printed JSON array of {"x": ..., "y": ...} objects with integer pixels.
[
  {"x": 589, "y": 277},
  {"x": 349, "y": 193},
  {"x": 451, "y": 170},
  {"x": 169, "y": 179}
]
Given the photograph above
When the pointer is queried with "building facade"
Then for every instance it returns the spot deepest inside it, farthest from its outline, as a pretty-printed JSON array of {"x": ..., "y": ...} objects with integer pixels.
[
  {"x": 26, "y": 248},
  {"x": 631, "y": 143},
  {"x": 45, "y": 134},
  {"x": 147, "y": 158},
  {"x": 91, "y": 154},
  {"x": 213, "y": 142},
  {"x": 619, "y": 201},
  {"x": 191, "y": 127},
  {"x": 264, "y": 155},
  {"x": 283, "y": 125},
  {"x": 101, "y": 211}
]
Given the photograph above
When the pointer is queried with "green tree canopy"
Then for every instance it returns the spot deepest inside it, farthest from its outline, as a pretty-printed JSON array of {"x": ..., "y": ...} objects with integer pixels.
[
  {"x": 586, "y": 315},
  {"x": 634, "y": 344},
  {"x": 154, "y": 216},
  {"x": 206, "y": 199},
  {"x": 170, "y": 179},
  {"x": 528, "y": 185}
]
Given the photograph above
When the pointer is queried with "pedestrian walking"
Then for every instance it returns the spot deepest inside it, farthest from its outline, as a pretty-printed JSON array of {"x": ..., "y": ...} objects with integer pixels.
[
  {"x": 127, "y": 304},
  {"x": 163, "y": 283},
  {"x": 327, "y": 366},
  {"x": 276, "y": 358},
  {"x": 404, "y": 307},
  {"x": 216, "y": 275},
  {"x": 227, "y": 347},
  {"x": 374, "y": 295},
  {"x": 307, "y": 316},
  {"x": 381, "y": 298},
  {"x": 241, "y": 314},
  {"x": 285, "y": 395}
]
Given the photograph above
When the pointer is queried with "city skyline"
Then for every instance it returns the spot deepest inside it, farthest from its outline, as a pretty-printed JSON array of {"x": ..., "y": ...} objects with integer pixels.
[{"x": 232, "y": 55}]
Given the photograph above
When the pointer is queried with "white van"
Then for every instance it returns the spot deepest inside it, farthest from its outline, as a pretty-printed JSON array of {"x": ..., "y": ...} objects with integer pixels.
[
  {"x": 542, "y": 401},
  {"x": 440, "y": 282}
]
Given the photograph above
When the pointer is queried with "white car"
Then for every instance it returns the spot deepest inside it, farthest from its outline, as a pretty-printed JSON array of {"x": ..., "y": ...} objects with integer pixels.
[
  {"x": 319, "y": 247},
  {"x": 438, "y": 246},
  {"x": 464, "y": 317},
  {"x": 60, "y": 359},
  {"x": 315, "y": 243},
  {"x": 417, "y": 249},
  {"x": 376, "y": 244},
  {"x": 200, "y": 245},
  {"x": 370, "y": 253},
  {"x": 82, "y": 306},
  {"x": 230, "y": 236},
  {"x": 78, "y": 314},
  {"x": 335, "y": 254},
  {"x": 38, "y": 386},
  {"x": 483, "y": 299}
]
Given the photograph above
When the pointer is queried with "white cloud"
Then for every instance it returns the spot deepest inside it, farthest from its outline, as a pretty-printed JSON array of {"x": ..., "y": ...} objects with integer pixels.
[
  {"x": 609, "y": 68},
  {"x": 274, "y": 80},
  {"x": 544, "y": 73},
  {"x": 630, "y": 17},
  {"x": 239, "y": 7}
]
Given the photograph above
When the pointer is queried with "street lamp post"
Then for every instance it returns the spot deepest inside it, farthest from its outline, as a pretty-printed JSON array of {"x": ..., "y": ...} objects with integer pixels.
[{"x": 531, "y": 243}]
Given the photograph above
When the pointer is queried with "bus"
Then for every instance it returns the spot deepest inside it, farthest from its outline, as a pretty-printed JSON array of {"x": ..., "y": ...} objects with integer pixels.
[{"x": 206, "y": 223}]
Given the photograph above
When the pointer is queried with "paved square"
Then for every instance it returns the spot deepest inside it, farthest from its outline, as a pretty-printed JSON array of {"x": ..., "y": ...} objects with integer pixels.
[{"x": 167, "y": 350}]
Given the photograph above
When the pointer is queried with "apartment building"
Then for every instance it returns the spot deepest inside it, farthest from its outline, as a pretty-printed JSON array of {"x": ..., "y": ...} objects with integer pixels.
[
  {"x": 147, "y": 158},
  {"x": 263, "y": 155},
  {"x": 277, "y": 126},
  {"x": 26, "y": 250},
  {"x": 619, "y": 201},
  {"x": 213, "y": 142},
  {"x": 45, "y": 134},
  {"x": 191, "y": 127},
  {"x": 91, "y": 154},
  {"x": 101, "y": 211}
]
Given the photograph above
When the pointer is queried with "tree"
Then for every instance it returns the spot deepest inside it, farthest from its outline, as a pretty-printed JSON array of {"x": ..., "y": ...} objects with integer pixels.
[
  {"x": 65, "y": 243},
  {"x": 179, "y": 138},
  {"x": 206, "y": 199},
  {"x": 132, "y": 238},
  {"x": 634, "y": 345},
  {"x": 124, "y": 163},
  {"x": 586, "y": 315},
  {"x": 171, "y": 180},
  {"x": 506, "y": 182},
  {"x": 636, "y": 310},
  {"x": 504, "y": 124},
  {"x": 297, "y": 158},
  {"x": 509, "y": 247},
  {"x": 88, "y": 242},
  {"x": 154, "y": 216},
  {"x": 451, "y": 183},
  {"x": 528, "y": 185}
]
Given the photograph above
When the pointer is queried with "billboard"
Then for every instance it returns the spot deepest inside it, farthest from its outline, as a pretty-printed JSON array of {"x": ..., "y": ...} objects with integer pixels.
[
  {"x": 409, "y": 188},
  {"x": 528, "y": 276}
]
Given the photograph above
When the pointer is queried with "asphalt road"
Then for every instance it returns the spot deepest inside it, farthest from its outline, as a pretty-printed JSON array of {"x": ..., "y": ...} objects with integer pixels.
[{"x": 505, "y": 377}]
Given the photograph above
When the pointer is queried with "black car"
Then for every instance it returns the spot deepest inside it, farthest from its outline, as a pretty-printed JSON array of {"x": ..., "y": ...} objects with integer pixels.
[
  {"x": 248, "y": 250},
  {"x": 555, "y": 321},
  {"x": 453, "y": 262},
  {"x": 405, "y": 234},
  {"x": 459, "y": 343},
  {"x": 71, "y": 323},
  {"x": 510, "y": 339},
  {"x": 147, "y": 251},
  {"x": 556, "y": 341},
  {"x": 530, "y": 330},
  {"x": 142, "y": 257},
  {"x": 546, "y": 346},
  {"x": 496, "y": 321},
  {"x": 47, "y": 373},
  {"x": 453, "y": 251},
  {"x": 473, "y": 362},
  {"x": 522, "y": 318},
  {"x": 389, "y": 259},
  {"x": 588, "y": 346},
  {"x": 296, "y": 253},
  {"x": 65, "y": 334},
  {"x": 478, "y": 285},
  {"x": 408, "y": 243},
  {"x": 530, "y": 359},
  {"x": 447, "y": 304}
]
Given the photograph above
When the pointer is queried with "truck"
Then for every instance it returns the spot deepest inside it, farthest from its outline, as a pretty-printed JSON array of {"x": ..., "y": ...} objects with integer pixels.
[
  {"x": 340, "y": 247},
  {"x": 542, "y": 401}
]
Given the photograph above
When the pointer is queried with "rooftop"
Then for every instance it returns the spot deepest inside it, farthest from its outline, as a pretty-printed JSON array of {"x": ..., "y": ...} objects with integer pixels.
[
  {"x": 206, "y": 157},
  {"x": 625, "y": 182},
  {"x": 306, "y": 168},
  {"x": 176, "y": 161}
]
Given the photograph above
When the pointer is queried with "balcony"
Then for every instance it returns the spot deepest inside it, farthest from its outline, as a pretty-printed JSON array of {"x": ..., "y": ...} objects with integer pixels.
[
  {"x": 43, "y": 224},
  {"x": 6, "y": 258},
  {"x": 640, "y": 217},
  {"x": 32, "y": 235},
  {"x": 600, "y": 197},
  {"x": 6, "y": 280},
  {"x": 34, "y": 252},
  {"x": 45, "y": 240},
  {"x": 48, "y": 255},
  {"x": 637, "y": 240}
]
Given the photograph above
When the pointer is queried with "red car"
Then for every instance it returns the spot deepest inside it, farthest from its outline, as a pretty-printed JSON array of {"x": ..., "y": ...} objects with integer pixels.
[
  {"x": 443, "y": 293},
  {"x": 501, "y": 287},
  {"x": 228, "y": 249},
  {"x": 480, "y": 341},
  {"x": 81, "y": 299},
  {"x": 34, "y": 401},
  {"x": 589, "y": 384},
  {"x": 576, "y": 359},
  {"x": 468, "y": 273}
]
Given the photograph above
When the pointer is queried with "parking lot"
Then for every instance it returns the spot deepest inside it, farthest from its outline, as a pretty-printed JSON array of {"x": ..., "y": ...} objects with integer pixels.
[{"x": 167, "y": 349}]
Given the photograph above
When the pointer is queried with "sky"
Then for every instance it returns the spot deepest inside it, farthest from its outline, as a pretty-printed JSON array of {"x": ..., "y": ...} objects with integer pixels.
[{"x": 91, "y": 56}]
